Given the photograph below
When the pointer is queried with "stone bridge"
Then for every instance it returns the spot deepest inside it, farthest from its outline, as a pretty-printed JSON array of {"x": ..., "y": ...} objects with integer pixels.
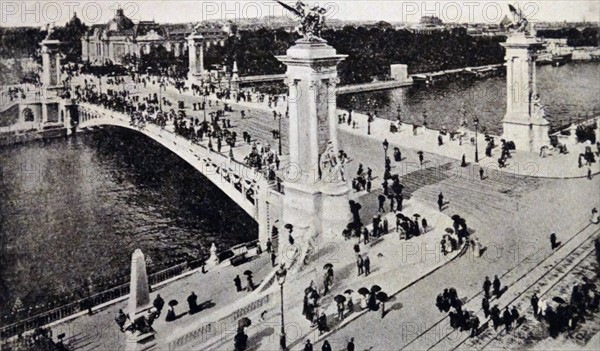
[{"x": 248, "y": 188}]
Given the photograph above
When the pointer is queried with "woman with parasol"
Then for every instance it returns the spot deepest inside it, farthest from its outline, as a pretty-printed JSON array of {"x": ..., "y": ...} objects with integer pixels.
[
  {"x": 350, "y": 304},
  {"x": 171, "y": 316},
  {"x": 340, "y": 299},
  {"x": 248, "y": 275}
]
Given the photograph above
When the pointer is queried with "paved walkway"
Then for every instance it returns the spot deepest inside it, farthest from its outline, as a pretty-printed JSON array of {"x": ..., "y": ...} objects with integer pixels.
[
  {"x": 215, "y": 290},
  {"x": 522, "y": 163}
]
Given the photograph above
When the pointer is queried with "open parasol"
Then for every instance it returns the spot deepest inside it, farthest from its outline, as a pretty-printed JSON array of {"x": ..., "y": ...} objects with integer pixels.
[
  {"x": 327, "y": 266},
  {"x": 339, "y": 298},
  {"x": 244, "y": 322},
  {"x": 381, "y": 296},
  {"x": 558, "y": 299},
  {"x": 248, "y": 272},
  {"x": 449, "y": 230},
  {"x": 349, "y": 291},
  {"x": 173, "y": 303},
  {"x": 375, "y": 289},
  {"x": 455, "y": 217},
  {"x": 363, "y": 291}
]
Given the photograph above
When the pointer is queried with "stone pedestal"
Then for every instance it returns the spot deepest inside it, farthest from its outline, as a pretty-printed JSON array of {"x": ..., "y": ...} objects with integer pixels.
[
  {"x": 196, "y": 58},
  {"x": 524, "y": 122},
  {"x": 139, "y": 295},
  {"x": 50, "y": 63},
  {"x": 316, "y": 199}
]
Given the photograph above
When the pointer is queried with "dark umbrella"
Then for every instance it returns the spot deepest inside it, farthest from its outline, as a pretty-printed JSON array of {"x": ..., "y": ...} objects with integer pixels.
[
  {"x": 417, "y": 215},
  {"x": 349, "y": 291},
  {"x": 363, "y": 291},
  {"x": 381, "y": 296},
  {"x": 244, "y": 323},
  {"x": 173, "y": 303},
  {"x": 288, "y": 226},
  {"x": 449, "y": 230},
  {"x": 420, "y": 152},
  {"x": 340, "y": 299},
  {"x": 248, "y": 272},
  {"x": 327, "y": 266},
  {"x": 375, "y": 289},
  {"x": 455, "y": 217},
  {"x": 558, "y": 299},
  {"x": 308, "y": 290}
]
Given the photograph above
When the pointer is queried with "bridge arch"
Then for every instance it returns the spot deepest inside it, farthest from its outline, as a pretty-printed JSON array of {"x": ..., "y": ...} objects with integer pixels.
[{"x": 241, "y": 184}]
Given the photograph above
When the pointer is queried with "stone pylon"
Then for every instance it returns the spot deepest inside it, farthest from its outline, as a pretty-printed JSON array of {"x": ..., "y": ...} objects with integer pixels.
[
  {"x": 316, "y": 192},
  {"x": 524, "y": 122},
  {"x": 139, "y": 295},
  {"x": 196, "y": 58}
]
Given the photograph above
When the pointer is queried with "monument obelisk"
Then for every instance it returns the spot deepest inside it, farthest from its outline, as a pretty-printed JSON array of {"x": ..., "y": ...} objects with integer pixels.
[{"x": 316, "y": 191}]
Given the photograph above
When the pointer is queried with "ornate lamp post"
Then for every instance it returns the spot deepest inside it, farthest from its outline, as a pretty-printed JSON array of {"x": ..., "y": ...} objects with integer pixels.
[
  {"x": 386, "y": 145},
  {"x": 279, "y": 136},
  {"x": 425, "y": 119},
  {"x": 399, "y": 110},
  {"x": 280, "y": 274},
  {"x": 160, "y": 88},
  {"x": 476, "y": 122},
  {"x": 204, "y": 107}
]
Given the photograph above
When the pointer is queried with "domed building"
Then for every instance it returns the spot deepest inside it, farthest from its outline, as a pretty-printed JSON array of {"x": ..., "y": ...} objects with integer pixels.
[{"x": 121, "y": 36}]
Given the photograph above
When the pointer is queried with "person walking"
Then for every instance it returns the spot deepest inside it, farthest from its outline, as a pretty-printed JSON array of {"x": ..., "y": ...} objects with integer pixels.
[
  {"x": 121, "y": 319},
  {"x": 495, "y": 315},
  {"x": 326, "y": 346},
  {"x": 359, "y": 264},
  {"x": 485, "y": 305},
  {"x": 507, "y": 319},
  {"x": 486, "y": 287},
  {"x": 440, "y": 201},
  {"x": 496, "y": 286},
  {"x": 381, "y": 199},
  {"x": 269, "y": 245},
  {"x": 367, "y": 265},
  {"x": 481, "y": 172},
  {"x": 514, "y": 316},
  {"x": 350, "y": 346},
  {"x": 340, "y": 310},
  {"x": 365, "y": 235},
  {"x": 158, "y": 303},
  {"x": 308, "y": 346},
  {"x": 474, "y": 326},
  {"x": 534, "y": 304},
  {"x": 238, "y": 283}
]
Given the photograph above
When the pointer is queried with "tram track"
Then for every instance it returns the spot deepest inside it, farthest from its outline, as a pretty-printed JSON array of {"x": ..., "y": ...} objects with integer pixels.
[
  {"x": 545, "y": 264},
  {"x": 525, "y": 299}
]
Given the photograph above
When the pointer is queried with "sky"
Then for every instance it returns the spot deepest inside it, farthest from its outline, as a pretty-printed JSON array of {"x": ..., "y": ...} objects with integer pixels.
[{"x": 38, "y": 13}]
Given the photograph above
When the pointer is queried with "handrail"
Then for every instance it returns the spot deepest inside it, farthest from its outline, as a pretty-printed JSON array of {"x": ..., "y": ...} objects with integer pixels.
[{"x": 91, "y": 301}]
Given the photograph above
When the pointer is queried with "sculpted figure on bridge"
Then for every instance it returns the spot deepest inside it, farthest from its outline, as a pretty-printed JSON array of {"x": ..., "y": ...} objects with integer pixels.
[
  {"x": 332, "y": 168},
  {"x": 522, "y": 24},
  {"x": 312, "y": 19}
]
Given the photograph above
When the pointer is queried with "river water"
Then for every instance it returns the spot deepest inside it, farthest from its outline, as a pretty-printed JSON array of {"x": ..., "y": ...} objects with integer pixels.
[
  {"x": 76, "y": 208},
  {"x": 566, "y": 91},
  {"x": 73, "y": 209}
]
